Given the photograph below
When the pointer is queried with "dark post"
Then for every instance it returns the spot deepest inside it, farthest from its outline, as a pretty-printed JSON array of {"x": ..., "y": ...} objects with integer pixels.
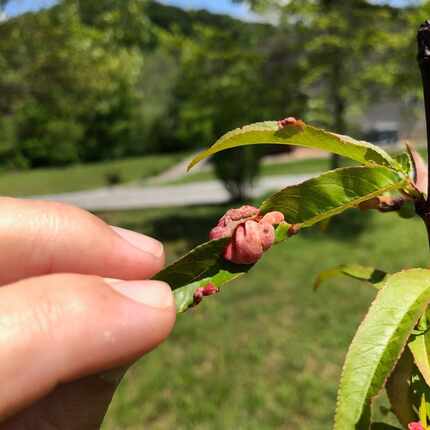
[
  {"x": 424, "y": 63},
  {"x": 423, "y": 38}
]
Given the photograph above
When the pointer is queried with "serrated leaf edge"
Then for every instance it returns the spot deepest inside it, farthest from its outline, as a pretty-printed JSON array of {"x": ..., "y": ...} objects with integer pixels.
[
  {"x": 354, "y": 341},
  {"x": 351, "y": 204}
]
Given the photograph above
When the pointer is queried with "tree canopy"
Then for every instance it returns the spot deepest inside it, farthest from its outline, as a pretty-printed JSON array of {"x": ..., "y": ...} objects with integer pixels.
[{"x": 87, "y": 81}]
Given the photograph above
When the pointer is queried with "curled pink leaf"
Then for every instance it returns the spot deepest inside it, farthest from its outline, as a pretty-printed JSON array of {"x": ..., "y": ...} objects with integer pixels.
[
  {"x": 219, "y": 232},
  {"x": 245, "y": 247},
  {"x": 242, "y": 213},
  {"x": 250, "y": 233},
  {"x": 273, "y": 218},
  {"x": 267, "y": 235},
  {"x": 230, "y": 220}
]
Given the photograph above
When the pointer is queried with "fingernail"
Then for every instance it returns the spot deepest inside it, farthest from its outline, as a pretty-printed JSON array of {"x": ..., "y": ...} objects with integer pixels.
[
  {"x": 140, "y": 241},
  {"x": 150, "y": 293}
]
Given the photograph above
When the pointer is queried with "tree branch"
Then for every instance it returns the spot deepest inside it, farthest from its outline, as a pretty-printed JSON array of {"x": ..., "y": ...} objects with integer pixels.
[{"x": 423, "y": 39}]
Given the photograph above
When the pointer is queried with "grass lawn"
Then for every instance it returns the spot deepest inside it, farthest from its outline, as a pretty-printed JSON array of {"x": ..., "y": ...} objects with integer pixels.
[
  {"x": 267, "y": 352},
  {"x": 81, "y": 177}
]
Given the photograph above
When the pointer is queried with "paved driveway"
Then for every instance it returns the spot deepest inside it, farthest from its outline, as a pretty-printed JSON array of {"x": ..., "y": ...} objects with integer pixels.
[{"x": 150, "y": 196}]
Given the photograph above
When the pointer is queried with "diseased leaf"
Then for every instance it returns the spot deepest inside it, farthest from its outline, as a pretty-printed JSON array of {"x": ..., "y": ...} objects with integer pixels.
[
  {"x": 379, "y": 342},
  {"x": 327, "y": 195},
  {"x": 304, "y": 135},
  {"x": 420, "y": 348},
  {"x": 195, "y": 265},
  {"x": 203, "y": 265},
  {"x": 362, "y": 273},
  {"x": 184, "y": 296},
  {"x": 332, "y": 193}
]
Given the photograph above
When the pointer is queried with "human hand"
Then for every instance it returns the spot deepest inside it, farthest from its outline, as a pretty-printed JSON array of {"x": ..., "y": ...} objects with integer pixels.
[{"x": 65, "y": 319}]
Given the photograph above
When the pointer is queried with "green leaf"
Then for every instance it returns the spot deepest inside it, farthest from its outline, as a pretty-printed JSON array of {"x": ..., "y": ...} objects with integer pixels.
[
  {"x": 399, "y": 391},
  {"x": 307, "y": 136},
  {"x": 420, "y": 393},
  {"x": 405, "y": 162},
  {"x": 362, "y": 273},
  {"x": 203, "y": 265},
  {"x": 184, "y": 296},
  {"x": 423, "y": 411},
  {"x": 420, "y": 348},
  {"x": 332, "y": 193},
  {"x": 379, "y": 343},
  {"x": 195, "y": 265}
]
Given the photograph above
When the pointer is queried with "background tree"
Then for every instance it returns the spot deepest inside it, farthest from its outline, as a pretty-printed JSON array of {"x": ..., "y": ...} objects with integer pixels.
[
  {"x": 352, "y": 52},
  {"x": 89, "y": 81},
  {"x": 226, "y": 74}
]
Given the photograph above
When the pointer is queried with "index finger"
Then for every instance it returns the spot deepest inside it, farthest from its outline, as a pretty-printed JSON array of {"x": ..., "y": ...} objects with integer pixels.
[{"x": 39, "y": 238}]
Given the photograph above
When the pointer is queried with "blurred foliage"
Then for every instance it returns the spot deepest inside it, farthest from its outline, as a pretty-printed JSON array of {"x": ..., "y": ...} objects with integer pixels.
[
  {"x": 355, "y": 52},
  {"x": 88, "y": 81},
  {"x": 238, "y": 168}
]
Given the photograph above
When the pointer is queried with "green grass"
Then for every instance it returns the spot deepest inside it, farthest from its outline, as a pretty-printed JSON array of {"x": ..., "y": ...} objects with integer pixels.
[
  {"x": 81, "y": 177},
  {"x": 267, "y": 352}
]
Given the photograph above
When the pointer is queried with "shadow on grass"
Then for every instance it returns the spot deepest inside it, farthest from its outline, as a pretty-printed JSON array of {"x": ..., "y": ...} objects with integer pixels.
[
  {"x": 189, "y": 224},
  {"x": 192, "y": 224},
  {"x": 344, "y": 227}
]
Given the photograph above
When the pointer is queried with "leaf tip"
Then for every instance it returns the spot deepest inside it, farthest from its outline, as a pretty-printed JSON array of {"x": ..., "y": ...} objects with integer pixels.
[
  {"x": 195, "y": 160},
  {"x": 317, "y": 284}
]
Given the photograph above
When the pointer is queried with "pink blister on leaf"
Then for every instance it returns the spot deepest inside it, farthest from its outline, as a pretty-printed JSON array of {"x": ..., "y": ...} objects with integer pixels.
[
  {"x": 251, "y": 234},
  {"x": 291, "y": 121},
  {"x": 230, "y": 220},
  {"x": 208, "y": 290}
]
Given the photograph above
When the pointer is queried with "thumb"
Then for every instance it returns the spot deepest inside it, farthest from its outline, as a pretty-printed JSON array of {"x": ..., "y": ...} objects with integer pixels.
[{"x": 60, "y": 328}]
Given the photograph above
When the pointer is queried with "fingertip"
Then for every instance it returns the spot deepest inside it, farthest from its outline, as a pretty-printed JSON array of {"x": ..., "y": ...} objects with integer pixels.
[
  {"x": 141, "y": 241},
  {"x": 156, "y": 294},
  {"x": 151, "y": 309},
  {"x": 149, "y": 258}
]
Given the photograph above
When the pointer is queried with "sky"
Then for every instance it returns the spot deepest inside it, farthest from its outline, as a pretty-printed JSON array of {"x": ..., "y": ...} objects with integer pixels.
[{"x": 17, "y": 7}]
